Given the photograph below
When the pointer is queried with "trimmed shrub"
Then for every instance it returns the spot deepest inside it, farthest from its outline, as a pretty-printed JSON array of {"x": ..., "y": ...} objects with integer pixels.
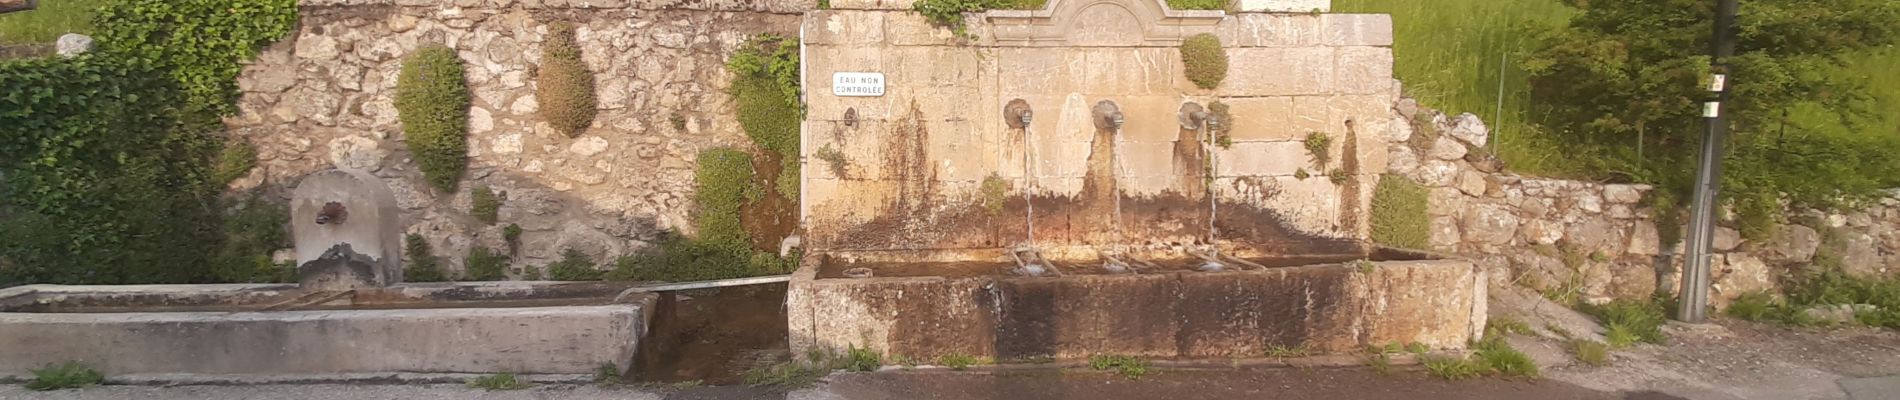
[
  {"x": 1399, "y": 216},
  {"x": 1206, "y": 60},
  {"x": 432, "y": 103},
  {"x": 566, "y": 87}
]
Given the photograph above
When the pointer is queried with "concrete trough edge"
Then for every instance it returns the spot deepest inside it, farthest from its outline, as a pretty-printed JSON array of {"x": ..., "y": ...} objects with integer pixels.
[{"x": 355, "y": 378}]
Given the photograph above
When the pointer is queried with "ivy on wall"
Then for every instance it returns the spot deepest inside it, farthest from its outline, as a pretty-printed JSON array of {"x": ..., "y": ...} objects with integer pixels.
[
  {"x": 765, "y": 72},
  {"x": 106, "y": 166},
  {"x": 432, "y": 104}
]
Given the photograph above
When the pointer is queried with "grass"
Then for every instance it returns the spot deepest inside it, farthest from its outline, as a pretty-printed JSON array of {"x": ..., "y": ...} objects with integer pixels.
[
  {"x": 67, "y": 375},
  {"x": 1129, "y": 367},
  {"x": 1448, "y": 53},
  {"x": 1399, "y": 216},
  {"x": 862, "y": 360},
  {"x": 501, "y": 381},
  {"x": 1491, "y": 356},
  {"x": 1452, "y": 368},
  {"x": 607, "y": 374},
  {"x": 46, "y": 23},
  {"x": 1506, "y": 325},
  {"x": 1628, "y": 322},
  {"x": 1590, "y": 352},
  {"x": 960, "y": 361},
  {"x": 1281, "y": 351}
]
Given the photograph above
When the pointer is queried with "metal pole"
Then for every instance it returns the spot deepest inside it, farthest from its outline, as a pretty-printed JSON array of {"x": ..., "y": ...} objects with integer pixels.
[{"x": 1694, "y": 298}]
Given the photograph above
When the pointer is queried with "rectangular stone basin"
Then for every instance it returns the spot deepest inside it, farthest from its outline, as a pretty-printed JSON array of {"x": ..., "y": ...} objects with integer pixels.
[
  {"x": 277, "y": 332},
  {"x": 1328, "y": 306}
]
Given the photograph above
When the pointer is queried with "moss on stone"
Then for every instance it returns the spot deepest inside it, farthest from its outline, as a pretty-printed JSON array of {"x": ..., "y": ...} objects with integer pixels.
[
  {"x": 1206, "y": 60},
  {"x": 432, "y": 104},
  {"x": 566, "y": 87},
  {"x": 1399, "y": 217}
]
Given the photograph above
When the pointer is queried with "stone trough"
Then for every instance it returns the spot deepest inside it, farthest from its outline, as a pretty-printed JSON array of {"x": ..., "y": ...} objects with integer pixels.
[
  {"x": 1327, "y": 306},
  {"x": 277, "y": 332}
]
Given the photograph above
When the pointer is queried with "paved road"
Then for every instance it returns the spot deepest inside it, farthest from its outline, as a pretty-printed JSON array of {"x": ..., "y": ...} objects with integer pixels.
[{"x": 1049, "y": 384}]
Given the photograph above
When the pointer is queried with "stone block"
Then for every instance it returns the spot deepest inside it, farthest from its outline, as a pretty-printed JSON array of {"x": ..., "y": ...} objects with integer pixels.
[
  {"x": 1281, "y": 71},
  {"x": 844, "y": 28},
  {"x": 1268, "y": 119},
  {"x": 1357, "y": 29},
  {"x": 1363, "y": 70},
  {"x": 1280, "y": 158},
  {"x": 1491, "y": 224},
  {"x": 1270, "y": 30}
]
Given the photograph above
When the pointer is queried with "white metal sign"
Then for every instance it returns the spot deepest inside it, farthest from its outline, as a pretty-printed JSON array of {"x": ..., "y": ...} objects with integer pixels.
[{"x": 857, "y": 84}]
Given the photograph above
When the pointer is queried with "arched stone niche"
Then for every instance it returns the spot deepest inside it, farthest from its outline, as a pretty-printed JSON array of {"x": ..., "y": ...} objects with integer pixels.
[
  {"x": 1101, "y": 23},
  {"x": 335, "y": 208}
]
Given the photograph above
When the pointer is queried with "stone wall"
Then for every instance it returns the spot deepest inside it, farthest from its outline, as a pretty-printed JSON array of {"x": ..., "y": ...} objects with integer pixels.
[
  {"x": 908, "y": 169},
  {"x": 323, "y": 98},
  {"x": 1601, "y": 240}
]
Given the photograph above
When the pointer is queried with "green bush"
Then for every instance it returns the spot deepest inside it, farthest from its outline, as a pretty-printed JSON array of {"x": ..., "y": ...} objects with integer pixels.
[
  {"x": 512, "y": 235},
  {"x": 423, "y": 265},
  {"x": 101, "y": 181},
  {"x": 68, "y": 375},
  {"x": 1318, "y": 146},
  {"x": 566, "y": 87},
  {"x": 722, "y": 184},
  {"x": 235, "y": 161},
  {"x": 765, "y": 71},
  {"x": 574, "y": 266},
  {"x": 1399, "y": 217},
  {"x": 680, "y": 259},
  {"x": 253, "y": 229},
  {"x": 1206, "y": 60},
  {"x": 432, "y": 103},
  {"x": 1223, "y": 133},
  {"x": 995, "y": 191},
  {"x": 201, "y": 43},
  {"x": 485, "y": 205},
  {"x": 106, "y": 167},
  {"x": 485, "y": 265}
]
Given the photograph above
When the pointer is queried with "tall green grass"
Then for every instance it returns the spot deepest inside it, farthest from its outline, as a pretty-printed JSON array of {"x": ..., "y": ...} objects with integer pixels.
[
  {"x": 1452, "y": 53},
  {"x": 46, "y": 23},
  {"x": 1448, "y": 54}
]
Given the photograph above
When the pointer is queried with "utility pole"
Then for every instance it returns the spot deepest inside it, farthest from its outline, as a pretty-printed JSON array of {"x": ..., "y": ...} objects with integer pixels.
[{"x": 1694, "y": 297}]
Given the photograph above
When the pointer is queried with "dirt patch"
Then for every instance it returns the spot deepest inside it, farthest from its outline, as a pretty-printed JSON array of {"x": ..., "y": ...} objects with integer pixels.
[{"x": 713, "y": 335}]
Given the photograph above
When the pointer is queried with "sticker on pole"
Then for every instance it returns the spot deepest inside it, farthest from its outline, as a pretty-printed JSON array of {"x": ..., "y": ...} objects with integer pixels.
[
  {"x": 1719, "y": 82},
  {"x": 1712, "y": 109},
  {"x": 857, "y": 84}
]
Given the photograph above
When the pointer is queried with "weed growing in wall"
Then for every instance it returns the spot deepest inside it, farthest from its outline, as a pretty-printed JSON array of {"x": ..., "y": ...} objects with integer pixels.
[
  {"x": 1223, "y": 133},
  {"x": 485, "y": 265},
  {"x": 566, "y": 88},
  {"x": 574, "y": 266},
  {"x": 765, "y": 72},
  {"x": 834, "y": 159},
  {"x": 501, "y": 381},
  {"x": 1130, "y": 367},
  {"x": 1205, "y": 59},
  {"x": 423, "y": 265},
  {"x": 1197, "y": 4},
  {"x": 432, "y": 103},
  {"x": 995, "y": 191},
  {"x": 67, "y": 375},
  {"x": 1318, "y": 146},
  {"x": 949, "y": 13},
  {"x": 1399, "y": 217},
  {"x": 485, "y": 205}
]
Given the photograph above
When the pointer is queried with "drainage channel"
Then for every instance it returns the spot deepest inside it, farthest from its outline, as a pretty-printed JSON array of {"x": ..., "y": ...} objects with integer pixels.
[{"x": 713, "y": 332}]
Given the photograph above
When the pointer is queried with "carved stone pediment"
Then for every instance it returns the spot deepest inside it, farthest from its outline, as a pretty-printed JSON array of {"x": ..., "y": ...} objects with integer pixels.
[{"x": 1101, "y": 23}]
